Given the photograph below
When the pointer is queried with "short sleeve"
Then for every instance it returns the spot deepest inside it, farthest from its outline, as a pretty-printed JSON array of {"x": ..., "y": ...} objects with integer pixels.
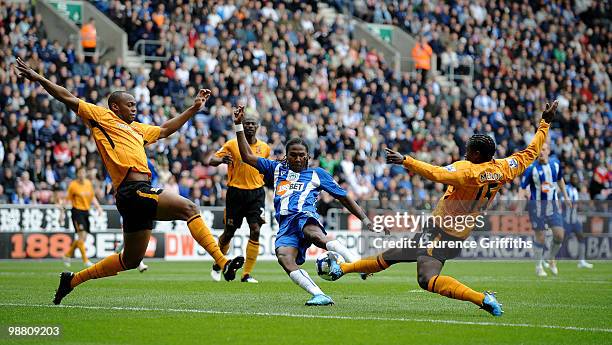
[
  {"x": 223, "y": 151},
  {"x": 267, "y": 167},
  {"x": 329, "y": 185},
  {"x": 150, "y": 134},
  {"x": 88, "y": 111}
]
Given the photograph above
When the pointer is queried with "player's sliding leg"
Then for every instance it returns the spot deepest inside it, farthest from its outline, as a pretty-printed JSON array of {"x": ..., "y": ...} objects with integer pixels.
[
  {"x": 224, "y": 244},
  {"x": 429, "y": 278},
  {"x": 288, "y": 257},
  {"x": 135, "y": 246},
  {"x": 172, "y": 206},
  {"x": 375, "y": 264},
  {"x": 538, "y": 250},
  {"x": 582, "y": 263},
  {"x": 558, "y": 233},
  {"x": 252, "y": 251}
]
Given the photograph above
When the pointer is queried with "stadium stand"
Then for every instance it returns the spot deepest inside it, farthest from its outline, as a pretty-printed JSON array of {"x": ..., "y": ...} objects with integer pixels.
[{"x": 316, "y": 82}]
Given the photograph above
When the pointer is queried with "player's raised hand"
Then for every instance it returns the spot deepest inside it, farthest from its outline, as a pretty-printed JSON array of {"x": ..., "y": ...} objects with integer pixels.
[
  {"x": 549, "y": 111},
  {"x": 394, "y": 157},
  {"x": 25, "y": 71},
  {"x": 239, "y": 114},
  {"x": 201, "y": 98}
]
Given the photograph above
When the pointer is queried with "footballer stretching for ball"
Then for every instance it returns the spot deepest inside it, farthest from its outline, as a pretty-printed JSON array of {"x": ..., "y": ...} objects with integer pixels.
[
  {"x": 296, "y": 188},
  {"x": 472, "y": 185},
  {"x": 120, "y": 141}
]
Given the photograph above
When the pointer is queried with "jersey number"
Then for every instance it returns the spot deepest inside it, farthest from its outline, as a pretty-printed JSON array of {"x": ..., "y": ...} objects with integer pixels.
[{"x": 481, "y": 202}]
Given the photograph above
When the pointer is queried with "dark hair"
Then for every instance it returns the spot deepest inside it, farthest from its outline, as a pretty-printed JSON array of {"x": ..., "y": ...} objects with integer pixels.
[
  {"x": 483, "y": 144},
  {"x": 115, "y": 97},
  {"x": 295, "y": 141}
]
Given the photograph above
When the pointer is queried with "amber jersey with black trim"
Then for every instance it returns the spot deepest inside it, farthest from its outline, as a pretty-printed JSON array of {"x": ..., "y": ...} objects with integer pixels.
[
  {"x": 472, "y": 187},
  {"x": 240, "y": 174},
  {"x": 80, "y": 194},
  {"x": 121, "y": 145}
]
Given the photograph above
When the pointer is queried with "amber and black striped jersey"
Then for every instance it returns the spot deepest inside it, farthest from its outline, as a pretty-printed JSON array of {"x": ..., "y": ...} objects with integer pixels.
[
  {"x": 240, "y": 174},
  {"x": 121, "y": 145},
  {"x": 472, "y": 187},
  {"x": 80, "y": 194}
]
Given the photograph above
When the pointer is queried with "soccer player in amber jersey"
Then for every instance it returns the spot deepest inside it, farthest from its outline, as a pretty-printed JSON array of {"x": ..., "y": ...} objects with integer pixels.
[
  {"x": 80, "y": 195},
  {"x": 245, "y": 198},
  {"x": 472, "y": 185},
  {"x": 120, "y": 141}
]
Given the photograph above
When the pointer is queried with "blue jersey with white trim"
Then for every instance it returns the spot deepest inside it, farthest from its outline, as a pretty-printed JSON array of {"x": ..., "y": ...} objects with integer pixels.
[
  {"x": 542, "y": 180},
  {"x": 570, "y": 216},
  {"x": 297, "y": 192}
]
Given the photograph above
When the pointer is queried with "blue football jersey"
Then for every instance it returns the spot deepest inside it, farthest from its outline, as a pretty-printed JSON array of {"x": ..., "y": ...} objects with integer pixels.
[
  {"x": 570, "y": 216},
  {"x": 297, "y": 192},
  {"x": 542, "y": 181}
]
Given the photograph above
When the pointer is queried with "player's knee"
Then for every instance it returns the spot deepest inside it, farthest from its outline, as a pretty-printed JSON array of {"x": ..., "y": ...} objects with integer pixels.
[
  {"x": 254, "y": 235},
  {"x": 189, "y": 210},
  {"x": 423, "y": 281}
]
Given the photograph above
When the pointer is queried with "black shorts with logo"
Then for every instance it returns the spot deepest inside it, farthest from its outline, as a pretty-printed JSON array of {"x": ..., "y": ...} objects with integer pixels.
[
  {"x": 443, "y": 246},
  {"x": 137, "y": 204},
  {"x": 80, "y": 219},
  {"x": 244, "y": 203}
]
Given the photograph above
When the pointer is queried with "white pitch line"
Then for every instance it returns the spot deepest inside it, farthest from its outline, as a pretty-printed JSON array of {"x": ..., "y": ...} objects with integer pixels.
[{"x": 310, "y": 316}]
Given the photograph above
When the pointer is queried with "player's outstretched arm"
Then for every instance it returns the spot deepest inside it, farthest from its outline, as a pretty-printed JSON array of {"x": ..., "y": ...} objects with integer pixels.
[
  {"x": 243, "y": 145},
  {"x": 216, "y": 161},
  {"x": 173, "y": 125},
  {"x": 522, "y": 159},
  {"x": 58, "y": 92},
  {"x": 431, "y": 172},
  {"x": 357, "y": 211}
]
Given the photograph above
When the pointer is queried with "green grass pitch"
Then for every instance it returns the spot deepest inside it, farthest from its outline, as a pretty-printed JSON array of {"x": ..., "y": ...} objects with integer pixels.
[{"x": 177, "y": 303}]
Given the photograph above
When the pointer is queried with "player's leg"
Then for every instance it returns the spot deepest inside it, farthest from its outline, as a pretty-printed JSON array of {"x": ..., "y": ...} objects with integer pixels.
[
  {"x": 81, "y": 245},
  {"x": 141, "y": 267},
  {"x": 224, "y": 243},
  {"x": 289, "y": 257},
  {"x": 555, "y": 222},
  {"x": 135, "y": 246},
  {"x": 254, "y": 214},
  {"x": 429, "y": 278},
  {"x": 75, "y": 243},
  {"x": 172, "y": 206},
  {"x": 252, "y": 251},
  {"x": 582, "y": 263},
  {"x": 539, "y": 245}
]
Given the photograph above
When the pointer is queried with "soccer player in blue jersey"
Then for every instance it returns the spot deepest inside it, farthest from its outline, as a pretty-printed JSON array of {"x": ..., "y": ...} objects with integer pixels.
[
  {"x": 572, "y": 223},
  {"x": 296, "y": 189},
  {"x": 542, "y": 177}
]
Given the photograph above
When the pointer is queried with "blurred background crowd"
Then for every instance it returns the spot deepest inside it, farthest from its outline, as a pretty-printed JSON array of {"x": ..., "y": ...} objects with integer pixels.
[{"x": 306, "y": 78}]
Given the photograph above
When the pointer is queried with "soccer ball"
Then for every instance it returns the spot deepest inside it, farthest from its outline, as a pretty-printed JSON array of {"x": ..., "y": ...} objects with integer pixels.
[{"x": 323, "y": 263}]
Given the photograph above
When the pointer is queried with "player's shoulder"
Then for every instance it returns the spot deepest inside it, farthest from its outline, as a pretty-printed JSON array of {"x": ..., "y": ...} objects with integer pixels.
[{"x": 231, "y": 143}]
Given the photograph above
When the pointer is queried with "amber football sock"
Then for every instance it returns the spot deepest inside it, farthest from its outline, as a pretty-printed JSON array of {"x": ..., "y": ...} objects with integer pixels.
[
  {"x": 83, "y": 251},
  {"x": 108, "y": 266},
  {"x": 73, "y": 246},
  {"x": 252, "y": 250},
  {"x": 452, "y": 288},
  {"x": 368, "y": 265},
  {"x": 202, "y": 235}
]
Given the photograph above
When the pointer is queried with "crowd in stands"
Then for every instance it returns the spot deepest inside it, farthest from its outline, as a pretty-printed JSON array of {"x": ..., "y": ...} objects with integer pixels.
[{"x": 308, "y": 77}]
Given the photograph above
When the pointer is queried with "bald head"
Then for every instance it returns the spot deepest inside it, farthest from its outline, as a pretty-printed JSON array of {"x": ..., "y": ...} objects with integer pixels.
[{"x": 123, "y": 105}]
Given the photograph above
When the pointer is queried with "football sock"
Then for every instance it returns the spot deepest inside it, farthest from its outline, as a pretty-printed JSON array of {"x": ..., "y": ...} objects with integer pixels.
[
  {"x": 108, "y": 266},
  {"x": 301, "y": 278},
  {"x": 581, "y": 249},
  {"x": 202, "y": 235},
  {"x": 452, "y": 288},
  {"x": 368, "y": 265},
  {"x": 341, "y": 249},
  {"x": 538, "y": 250},
  {"x": 252, "y": 250},
  {"x": 73, "y": 246},
  {"x": 83, "y": 251},
  {"x": 554, "y": 249}
]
